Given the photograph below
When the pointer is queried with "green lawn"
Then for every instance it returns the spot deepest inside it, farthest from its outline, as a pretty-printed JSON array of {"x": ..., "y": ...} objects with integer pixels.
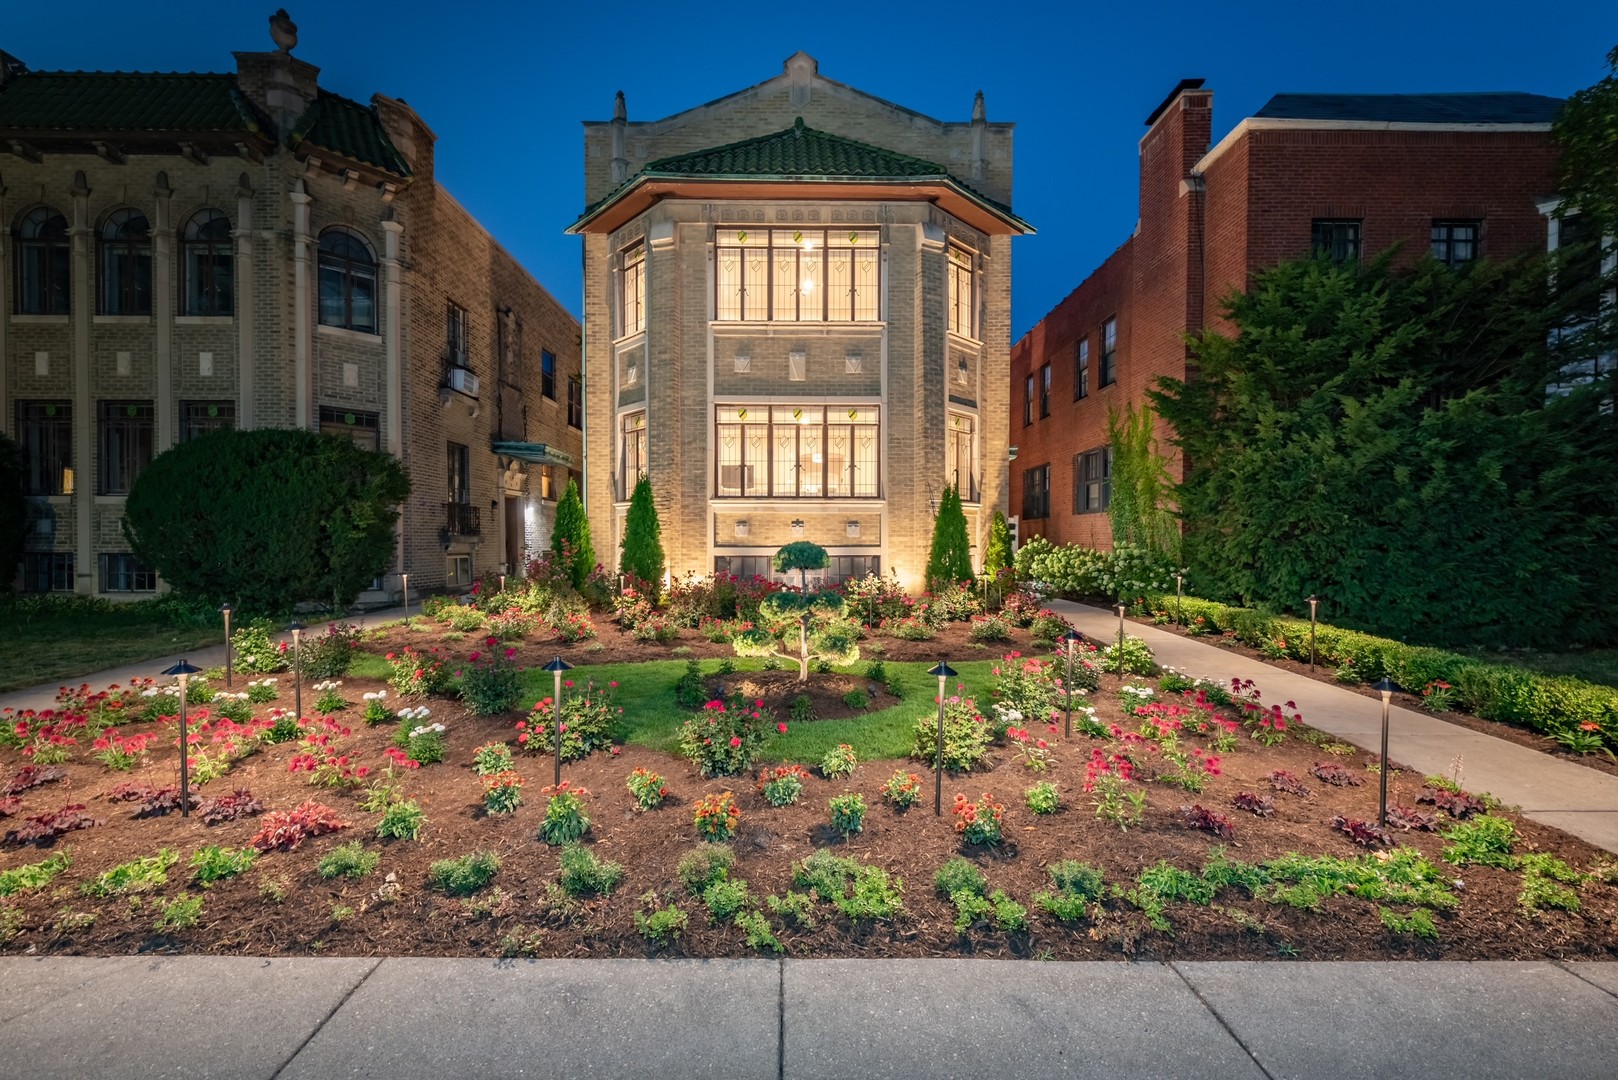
[
  {"x": 652, "y": 719},
  {"x": 61, "y": 643}
]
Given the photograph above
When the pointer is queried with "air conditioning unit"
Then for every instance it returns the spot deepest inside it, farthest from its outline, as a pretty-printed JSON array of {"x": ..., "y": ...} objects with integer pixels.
[{"x": 464, "y": 381}]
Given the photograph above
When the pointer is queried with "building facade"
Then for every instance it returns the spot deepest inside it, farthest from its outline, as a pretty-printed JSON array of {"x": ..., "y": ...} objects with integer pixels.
[
  {"x": 1461, "y": 176},
  {"x": 183, "y": 252},
  {"x": 797, "y": 324}
]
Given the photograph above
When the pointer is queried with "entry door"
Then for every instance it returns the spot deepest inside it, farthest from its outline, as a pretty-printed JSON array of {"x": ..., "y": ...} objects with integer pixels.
[{"x": 516, "y": 560}]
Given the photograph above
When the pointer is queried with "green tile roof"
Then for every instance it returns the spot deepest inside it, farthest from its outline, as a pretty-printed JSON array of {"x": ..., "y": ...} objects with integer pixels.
[
  {"x": 803, "y": 154},
  {"x": 57, "y": 101},
  {"x": 797, "y": 153},
  {"x": 349, "y": 129}
]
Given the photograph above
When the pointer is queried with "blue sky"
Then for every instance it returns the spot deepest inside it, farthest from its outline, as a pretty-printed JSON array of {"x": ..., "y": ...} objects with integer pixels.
[{"x": 505, "y": 86}]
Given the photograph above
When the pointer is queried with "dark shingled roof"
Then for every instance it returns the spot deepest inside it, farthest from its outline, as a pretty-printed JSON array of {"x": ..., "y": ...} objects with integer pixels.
[
  {"x": 350, "y": 129},
  {"x": 1504, "y": 107},
  {"x": 797, "y": 153},
  {"x": 65, "y": 101}
]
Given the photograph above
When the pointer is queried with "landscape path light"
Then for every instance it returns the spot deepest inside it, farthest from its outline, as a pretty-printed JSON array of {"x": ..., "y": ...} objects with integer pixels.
[
  {"x": 944, "y": 672},
  {"x": 1314, "y": 604},
  {"x": 556, "y": 667},
  {"x": 1387, "y": 688},
  {"x": 184, "y": 671},
  {"x": 1120, "y": 657},
  {"x": 404, "y": 588},
  {"x": 1072, "y": 637},
  {"x": 225, "y": 609},
  {"x": 297, "y": 629},
  {"x": 1179, "y": 598},
  {"x": 502, "y": 584}
]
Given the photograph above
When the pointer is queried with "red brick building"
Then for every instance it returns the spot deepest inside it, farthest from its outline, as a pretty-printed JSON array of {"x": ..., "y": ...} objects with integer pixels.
[{"x": 1459, "y": 175}]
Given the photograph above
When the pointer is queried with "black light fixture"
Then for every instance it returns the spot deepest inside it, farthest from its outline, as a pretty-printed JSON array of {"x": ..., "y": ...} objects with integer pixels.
[
  {"x": 944, "y": 672},
  {"x": 297, "y": 628},
  {"x": 183, "y": 671},
  {"x": 225, "y": 610},
  {"x": 1314, "y": 604},
  {"x": 1387, "y": 688},
  {"x": 556, "y": 667},
  {"x": 1072, "y": 638}
]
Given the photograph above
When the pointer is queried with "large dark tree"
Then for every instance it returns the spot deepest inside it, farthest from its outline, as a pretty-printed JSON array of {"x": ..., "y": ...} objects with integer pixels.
[
  {"x": 267, "y": 518},
  {"x": 1387, "y": 440}
]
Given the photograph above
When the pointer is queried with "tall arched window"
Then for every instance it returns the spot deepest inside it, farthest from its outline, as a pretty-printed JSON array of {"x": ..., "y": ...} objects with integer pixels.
[
  {"x": 126, "y": 264},
  {"x": 43, "y": 266},
  {"x": 347, "y": 281},
  {"x": 207, "y": 285}
]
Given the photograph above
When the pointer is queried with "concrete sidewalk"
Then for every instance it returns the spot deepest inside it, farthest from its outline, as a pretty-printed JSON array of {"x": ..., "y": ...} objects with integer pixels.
[
  {"x": 44, "y": 697},
  {"x": 1566, "y": 796},
  {"x": 224, "y": 1018}
]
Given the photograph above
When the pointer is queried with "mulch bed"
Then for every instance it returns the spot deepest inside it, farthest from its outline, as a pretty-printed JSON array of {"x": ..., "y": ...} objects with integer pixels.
[{"x": 525, "y": 918}]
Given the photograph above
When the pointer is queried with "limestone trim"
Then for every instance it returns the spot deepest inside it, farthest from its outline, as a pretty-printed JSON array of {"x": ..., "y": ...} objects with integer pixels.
[{"x": 302, "y": 339}]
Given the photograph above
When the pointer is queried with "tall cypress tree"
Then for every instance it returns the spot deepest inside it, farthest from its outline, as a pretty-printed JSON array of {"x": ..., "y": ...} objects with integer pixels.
[
  {"x": 642, "y": 558},
  {"x": 997, "y": 556},
  {"x": 951, "y": 557},
  {"x": 570, "y": 539}
]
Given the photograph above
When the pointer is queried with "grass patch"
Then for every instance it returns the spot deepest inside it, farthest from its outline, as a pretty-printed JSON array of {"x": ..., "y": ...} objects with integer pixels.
[
  {"x": 60, "y": 640},
  {"x": 652, "y": 718}
]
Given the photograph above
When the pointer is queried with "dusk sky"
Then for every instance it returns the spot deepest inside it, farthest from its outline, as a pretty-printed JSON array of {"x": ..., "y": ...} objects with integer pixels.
[{"x": 505, "y": 86}]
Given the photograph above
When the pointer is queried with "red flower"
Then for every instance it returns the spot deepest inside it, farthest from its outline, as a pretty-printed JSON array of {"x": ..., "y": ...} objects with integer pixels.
[
  {"x": 735, "y": 740},
  {"x": 474, "y": 658},
  {"x": 781, "y": 727}
]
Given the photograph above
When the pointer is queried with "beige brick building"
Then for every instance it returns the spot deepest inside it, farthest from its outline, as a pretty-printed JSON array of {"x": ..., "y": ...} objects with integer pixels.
[
  {"x": 182, "y": 252},
  {"x": 797, "y": 323}
]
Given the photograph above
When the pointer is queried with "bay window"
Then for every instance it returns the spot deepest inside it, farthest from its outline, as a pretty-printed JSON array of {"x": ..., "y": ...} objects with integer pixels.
[
  {"x": 797, "y": 275},
  {"x": 797, "y": 452}
]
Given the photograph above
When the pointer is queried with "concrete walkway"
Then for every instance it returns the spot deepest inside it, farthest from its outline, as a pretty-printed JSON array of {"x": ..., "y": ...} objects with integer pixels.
[
  {"x": 1566, "y": 796},
  {"x": 44, "y": 697},
  {"x": 223, "y": 1018}
]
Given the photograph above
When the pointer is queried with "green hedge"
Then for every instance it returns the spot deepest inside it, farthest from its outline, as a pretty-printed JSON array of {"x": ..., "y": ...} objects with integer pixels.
[{"x": 1548, "y": 704}]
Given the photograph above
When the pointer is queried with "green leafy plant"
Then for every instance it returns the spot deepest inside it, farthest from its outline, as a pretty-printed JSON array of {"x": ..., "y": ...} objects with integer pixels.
[
  {"x": 725, "y": 897},
  {"x": 1418, "y": 923},
  {"x": 137, "y": 875},
  {"x": 491, "y": 682},
  {"x": 401, "y": 820},
  {"x": 705, "y": 865},
  {"x": 978, "y": 822},
  {"x": 757, "y": 929},
  {"x": 491, "y": 758},
  {"x": 465, "y": 875},
  {"x": 214, "y": 863},
  {"x": 349, "y": 860},
  {"x": 1043, "y": 798},
  {"x": 725, "y": 740},
  {"x": 586, "y": 874},
  {"x": 847, "y": 813},
  {"x": 858, "y": 890},
  {"x": 659, "y": 925},
  {"x": 1486, "y": 841},
  {"x": 1135, "y": 659},
  {"x": 32, "y": 876},
  {"x": 181, "y": 913},
  {"x": 588, "y": 715},
  {"x": 967, "y": 734},
  {"x": 690, "y": 692},
  {"x": 570, "y": 537},
  {"x": 565, "y": 816},
  {"x": 949, "y": 560},
  {"x": 856, "y": 699},
  {"x": 839, "y": 762}
]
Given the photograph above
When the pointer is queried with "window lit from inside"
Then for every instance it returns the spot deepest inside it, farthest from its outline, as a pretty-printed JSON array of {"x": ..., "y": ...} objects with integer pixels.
[
  {"x": 797, "y": 275},
  {"x": 45, "y": 436},
  {"x": 960, "y": 454},
  {"x": 797, "y": 452},
  {"x": 631, "y": 452},
  {"x": 632, "y": 291},
  {"x": 962, "y": 292}
]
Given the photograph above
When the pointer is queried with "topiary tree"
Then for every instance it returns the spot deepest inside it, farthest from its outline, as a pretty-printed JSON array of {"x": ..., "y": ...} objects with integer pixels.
[
  {"x": 642, "y": 557},
  {"x": 267, "y": 518},
  {"x": 823, "y": 633},
  {"x": 951, "y": 557},
  {"x": 13, "y": 510},
  {"x": 997, "y": 553},
  {"x": 570, "y": 538}
]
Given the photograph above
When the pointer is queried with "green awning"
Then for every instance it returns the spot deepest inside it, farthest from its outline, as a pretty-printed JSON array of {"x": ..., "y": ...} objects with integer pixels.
[{"x": 536, "y": 453}]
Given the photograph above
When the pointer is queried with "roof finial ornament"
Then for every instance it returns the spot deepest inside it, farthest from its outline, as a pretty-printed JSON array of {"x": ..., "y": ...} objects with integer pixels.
[
  {"x": 978, "y": 111},
  {"x": 620, "y": 111},
  {"x": 797, "y": 127},
  {"x": 283, "y": 31}
]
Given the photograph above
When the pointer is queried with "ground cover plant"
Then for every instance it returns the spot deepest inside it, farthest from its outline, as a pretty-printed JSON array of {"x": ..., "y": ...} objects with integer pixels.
[{"x": 848, "y": 868}]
